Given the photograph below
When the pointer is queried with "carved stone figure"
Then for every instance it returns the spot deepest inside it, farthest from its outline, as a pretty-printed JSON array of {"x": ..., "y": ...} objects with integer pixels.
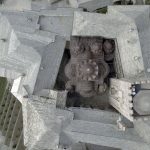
[{"x": 87, "y": 67}]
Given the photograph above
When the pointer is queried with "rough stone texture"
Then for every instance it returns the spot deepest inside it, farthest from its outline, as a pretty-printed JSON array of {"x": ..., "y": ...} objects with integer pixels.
[
  {"x": 141, "y": 19},
  {"x": 87, "y": 67},
  {"x": 122, "y": 28},
  {"x": 25, "y": 42},
  {"x": 45, "y": 126},
  {"x": 16, "y": 54},
  {"x": 27, "y": 38},
  {"x": 45, "y": 134}
]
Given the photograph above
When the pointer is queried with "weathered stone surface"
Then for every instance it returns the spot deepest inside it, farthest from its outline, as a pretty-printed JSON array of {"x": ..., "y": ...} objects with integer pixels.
[
  {"x": 141, "y": 19},
  {"x": 11, "y": 47},
  {"x": 37, "y": 57},
  {"x": 41, "y": 128},
  {"x": 43, "y": 122},
  {"x": 122, "y": 28}
]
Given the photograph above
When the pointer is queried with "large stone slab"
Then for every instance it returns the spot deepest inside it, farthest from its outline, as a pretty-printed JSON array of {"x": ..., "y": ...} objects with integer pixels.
[
  {"x": 22, "y": 21},
  {"x": 58, "y": 21},
  {"x": 50, "y": 64}
]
